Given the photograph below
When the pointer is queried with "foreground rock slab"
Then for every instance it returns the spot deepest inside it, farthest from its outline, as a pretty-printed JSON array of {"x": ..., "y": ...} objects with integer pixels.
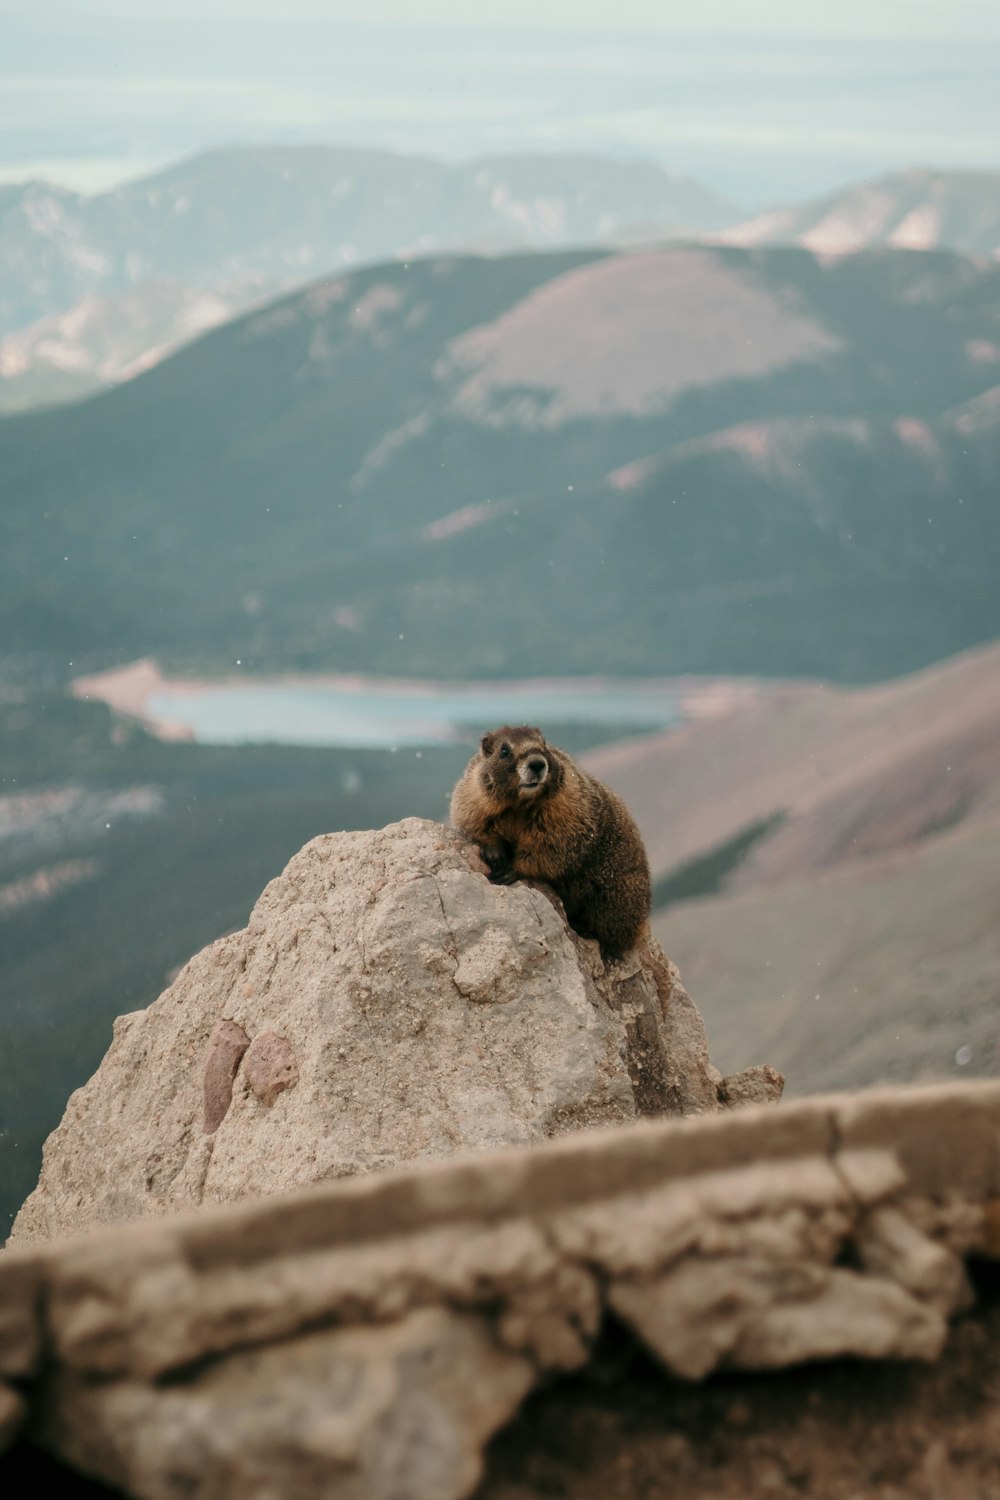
[
  {"x": 364, "y": 1338},
  {"x": 386, "y": 1003}
]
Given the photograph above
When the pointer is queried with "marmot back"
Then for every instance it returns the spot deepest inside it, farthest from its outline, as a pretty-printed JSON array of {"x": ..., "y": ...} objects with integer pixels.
[{"x": 537, "y": 815}]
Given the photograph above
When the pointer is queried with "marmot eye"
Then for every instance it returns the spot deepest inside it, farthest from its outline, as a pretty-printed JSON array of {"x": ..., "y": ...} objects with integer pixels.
[{"x": 505, "y": 752}]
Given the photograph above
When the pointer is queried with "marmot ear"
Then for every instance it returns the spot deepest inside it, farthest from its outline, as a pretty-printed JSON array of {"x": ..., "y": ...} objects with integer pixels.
[{"x": 486, "y": 744}]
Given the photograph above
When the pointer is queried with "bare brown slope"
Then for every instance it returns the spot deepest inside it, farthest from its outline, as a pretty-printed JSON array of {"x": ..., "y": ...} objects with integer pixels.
[
  {"x": 885, "y": 969},
  {"x": 860, "y": 940},
  {"x": 615, "y": 336},
  {"x": 856, "y": 772}
]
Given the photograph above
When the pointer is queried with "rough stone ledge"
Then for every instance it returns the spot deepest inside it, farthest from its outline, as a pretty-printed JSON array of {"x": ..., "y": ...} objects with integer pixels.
[{"x": 432, "y": 1298}]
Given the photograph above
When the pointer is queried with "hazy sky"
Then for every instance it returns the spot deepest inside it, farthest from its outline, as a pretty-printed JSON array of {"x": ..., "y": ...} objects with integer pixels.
[
  {"x": 888, "y": 18},
  {"x": 762, "y": 101}
]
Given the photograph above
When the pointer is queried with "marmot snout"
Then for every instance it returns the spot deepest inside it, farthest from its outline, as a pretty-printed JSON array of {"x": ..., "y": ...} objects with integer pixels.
[{"x": 537, "y": 815}]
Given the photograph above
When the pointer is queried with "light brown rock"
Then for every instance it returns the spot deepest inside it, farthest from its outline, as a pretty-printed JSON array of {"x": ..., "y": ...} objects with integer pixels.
[
  {"x": 386, "y": 1003},
  {"x": 672, "y": 1071},
  {"x": 751, "y": 1312},
  {"x": 759, "y": 1085},
  {"x": 890, "y": 1244},
  {"x": 949, "y": 1131},
  {"x": 398, "y": 1412}
]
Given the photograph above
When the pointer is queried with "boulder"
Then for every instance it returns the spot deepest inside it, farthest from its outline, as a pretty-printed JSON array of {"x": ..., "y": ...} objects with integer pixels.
[{"x": 385, "y": 1003}]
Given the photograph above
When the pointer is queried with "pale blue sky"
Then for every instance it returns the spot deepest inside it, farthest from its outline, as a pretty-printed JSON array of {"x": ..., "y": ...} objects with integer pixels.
[
  {"x": 762, "y": 101},
  {"x": 848, "y": 18}
]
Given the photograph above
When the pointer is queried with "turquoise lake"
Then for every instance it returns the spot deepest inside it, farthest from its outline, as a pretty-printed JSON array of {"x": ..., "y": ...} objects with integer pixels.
[{"x": 375, "y": 716}]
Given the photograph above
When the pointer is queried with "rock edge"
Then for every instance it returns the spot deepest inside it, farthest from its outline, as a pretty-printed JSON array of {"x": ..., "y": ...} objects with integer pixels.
[{"x": 433, "y": 1297}]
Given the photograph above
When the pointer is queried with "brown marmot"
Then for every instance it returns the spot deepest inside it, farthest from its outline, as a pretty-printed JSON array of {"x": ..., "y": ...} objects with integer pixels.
[{"x": 537, "y": 816}]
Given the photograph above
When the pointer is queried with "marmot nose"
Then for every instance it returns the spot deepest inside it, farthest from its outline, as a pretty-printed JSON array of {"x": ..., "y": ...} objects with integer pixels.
[{"x": 536, "y": 766}]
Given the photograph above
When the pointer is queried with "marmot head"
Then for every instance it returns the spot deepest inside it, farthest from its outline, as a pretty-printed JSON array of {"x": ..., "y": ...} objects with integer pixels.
[{"x": 517, "y": 765}]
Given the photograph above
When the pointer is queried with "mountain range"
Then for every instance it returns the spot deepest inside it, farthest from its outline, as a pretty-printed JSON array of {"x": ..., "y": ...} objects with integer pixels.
[
  {"x": 93, "y": 289},
  {"x": 225, "y": 229},
  {"x": 703, "y": 459},
  {"x": 102, "y": 340}
]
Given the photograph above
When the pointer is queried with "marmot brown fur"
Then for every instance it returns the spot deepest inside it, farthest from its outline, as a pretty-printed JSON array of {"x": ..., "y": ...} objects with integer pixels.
[{"x": 537, "y": 815}]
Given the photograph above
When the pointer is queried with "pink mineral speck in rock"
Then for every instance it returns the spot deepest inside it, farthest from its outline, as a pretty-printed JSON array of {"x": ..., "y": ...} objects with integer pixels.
[
  {"x": 226, "y": 1047},
  {"x": 270, "y": 1067}
]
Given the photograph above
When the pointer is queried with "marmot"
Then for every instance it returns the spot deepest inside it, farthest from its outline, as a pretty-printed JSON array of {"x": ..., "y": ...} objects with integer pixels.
[{"x": 537, "y": 816}]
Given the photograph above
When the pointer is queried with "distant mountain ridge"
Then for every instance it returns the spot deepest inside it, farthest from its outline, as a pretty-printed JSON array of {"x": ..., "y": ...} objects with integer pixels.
[
  {"x": 246, "y": 222},
  {"x": 94, "y": 288},
  {"x": 694, "y": 459},
  {"x": 920, "y": 209},
  {"x": 105, "y": 339}
]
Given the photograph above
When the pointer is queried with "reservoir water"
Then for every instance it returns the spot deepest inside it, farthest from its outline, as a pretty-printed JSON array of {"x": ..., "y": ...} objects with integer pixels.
[{"x": 387, "y": 715}]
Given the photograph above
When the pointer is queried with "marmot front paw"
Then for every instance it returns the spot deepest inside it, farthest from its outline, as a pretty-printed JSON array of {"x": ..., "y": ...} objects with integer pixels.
[{"x": 499, "y": 858}]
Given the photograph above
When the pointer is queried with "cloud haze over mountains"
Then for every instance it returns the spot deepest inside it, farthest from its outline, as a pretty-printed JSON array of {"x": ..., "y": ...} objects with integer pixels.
[{"x": 763, "y": 103}]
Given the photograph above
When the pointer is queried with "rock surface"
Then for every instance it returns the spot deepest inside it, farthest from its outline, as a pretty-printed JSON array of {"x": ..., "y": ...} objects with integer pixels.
[
  {"x": 385, "y": 1003},
  {"x": 339, "y": 1419},
  {"x": 361, "y": 1340}
]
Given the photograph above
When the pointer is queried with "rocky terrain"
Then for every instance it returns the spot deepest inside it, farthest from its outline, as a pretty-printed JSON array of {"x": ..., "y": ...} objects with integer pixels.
[
  {"x": 259, "y": 1328},
  {"x": 367, "y": 1338}
]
